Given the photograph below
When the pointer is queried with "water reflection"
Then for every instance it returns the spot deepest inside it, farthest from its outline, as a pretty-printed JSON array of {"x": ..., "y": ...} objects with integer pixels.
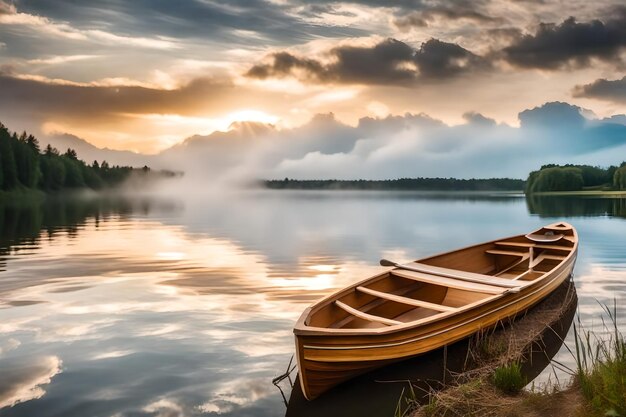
[
  {"x": 25, "y": 378},
  {"x": 185, "y": 307},
  {"x": 577, "y": 206}
]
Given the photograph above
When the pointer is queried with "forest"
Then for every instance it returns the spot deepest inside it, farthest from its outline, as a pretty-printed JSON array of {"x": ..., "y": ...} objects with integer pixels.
[
  {"x": 402, "y": 184},
  {"x": 571, "y": 177},
  {"x": 23, "y": 165}
]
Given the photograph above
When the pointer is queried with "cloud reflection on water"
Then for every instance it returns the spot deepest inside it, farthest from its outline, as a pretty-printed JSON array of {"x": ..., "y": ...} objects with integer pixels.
[{"x": 25, "y": 379}]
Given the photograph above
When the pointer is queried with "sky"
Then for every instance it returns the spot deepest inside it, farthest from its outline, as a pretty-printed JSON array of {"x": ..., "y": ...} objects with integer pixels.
[{"x": 398, "y": 80}]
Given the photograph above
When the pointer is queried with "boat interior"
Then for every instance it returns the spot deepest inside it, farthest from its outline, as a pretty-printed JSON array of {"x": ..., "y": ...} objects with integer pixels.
[{"x": 446, "y": 283}]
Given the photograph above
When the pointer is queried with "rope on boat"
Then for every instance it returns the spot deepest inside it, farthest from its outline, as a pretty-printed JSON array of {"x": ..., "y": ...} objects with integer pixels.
[{"x": 286, "y": 375}]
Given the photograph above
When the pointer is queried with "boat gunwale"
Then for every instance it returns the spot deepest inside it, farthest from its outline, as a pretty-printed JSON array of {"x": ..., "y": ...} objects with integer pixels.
[{"x": 302, "y": 329}]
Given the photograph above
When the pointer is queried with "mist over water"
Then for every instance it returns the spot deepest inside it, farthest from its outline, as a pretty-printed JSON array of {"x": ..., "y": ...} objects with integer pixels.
[
  {"x": 409, "y": 145},
  {"x": 183, "y": 304}
]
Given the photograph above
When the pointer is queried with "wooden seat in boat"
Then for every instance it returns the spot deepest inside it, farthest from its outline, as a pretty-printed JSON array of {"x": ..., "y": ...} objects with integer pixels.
[
  {"x": 450, "y": 282},
  {"x": 461, "y": 275},
  {"x": 505, "y": 252},
  {"x": 405, "y": 300},
  {"x": 534, "y": 245},
  {"x": 365, "y": 316}
]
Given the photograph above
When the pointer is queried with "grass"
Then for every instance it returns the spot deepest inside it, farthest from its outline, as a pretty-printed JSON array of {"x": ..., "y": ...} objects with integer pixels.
[
  {"x": 509, "y": 378},
  {"x": 406, "y": 402},
  {"x": 601, "y": 366},
  {"x": 598, "y": 386}
]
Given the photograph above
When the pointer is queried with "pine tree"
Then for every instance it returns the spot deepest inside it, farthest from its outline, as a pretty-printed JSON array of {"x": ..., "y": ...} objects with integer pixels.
[{"x": 9, "y": 170}]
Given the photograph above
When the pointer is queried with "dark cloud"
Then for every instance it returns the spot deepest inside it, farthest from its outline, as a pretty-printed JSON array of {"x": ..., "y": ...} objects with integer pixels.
[
  {"x": 49, "y": 98},
  {"x": 388, "y": 62},
  {"x": 284, "y": 64},
  {"x": 555, "y": 114},
  {"x": 478, "y": 119},
  {"x": 424, "y": 17},
  {"x": 316, "y": 10},
  {"x": 437, "y": 59},
  {"x": 570, "y": 43},
  {"x": 384, "y": 63},
  {"x": 610, "y": 90},
  {"x": 196, "y": 19}
]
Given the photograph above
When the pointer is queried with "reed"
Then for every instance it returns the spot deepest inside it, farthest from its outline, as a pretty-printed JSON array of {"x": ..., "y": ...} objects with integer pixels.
[
  {"x": 407, "y": 402},
  {"x": 601, "y": 365}
]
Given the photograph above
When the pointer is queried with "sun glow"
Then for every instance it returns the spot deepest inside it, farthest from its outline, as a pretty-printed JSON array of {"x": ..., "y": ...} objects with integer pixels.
[{"x": 249, "y": 115}]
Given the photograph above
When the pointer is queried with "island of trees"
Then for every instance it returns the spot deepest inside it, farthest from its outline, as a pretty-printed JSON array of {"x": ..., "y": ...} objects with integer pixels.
[
  {"x": 23, "y": 165},
  {"x": 402, "y": 184},
  {"x": 570, "y": 177}
]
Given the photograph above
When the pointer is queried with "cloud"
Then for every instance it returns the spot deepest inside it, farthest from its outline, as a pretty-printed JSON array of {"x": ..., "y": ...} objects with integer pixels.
[
  {"x": 437, "y": 59},
  {"x": 56, "y": 97},
  {"x": 553, "y": 115},
  {"x": 10, "y": 16},
  {"x": 218, "y": 21},
  {"x": 460, "y": 11},
  {"x": 478, "y": 119},
  {"x": 389, "y": 62},
  {"x": 7, "y": 8},
  {"x": 570, "y": 43},
  {"x": 119, "y": 115},
  {"x": 603, "y": 89},
  {"x": 402, "y": 146}
]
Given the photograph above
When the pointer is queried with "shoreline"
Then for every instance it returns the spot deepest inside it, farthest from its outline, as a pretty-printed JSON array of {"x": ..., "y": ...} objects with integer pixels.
[
  {"x": 22, "y": 194},
  {"x": 580, "y": 193}
]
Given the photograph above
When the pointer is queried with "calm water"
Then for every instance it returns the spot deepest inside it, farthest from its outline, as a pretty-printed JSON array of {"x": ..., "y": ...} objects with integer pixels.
[{"x": 168, "y": 307}]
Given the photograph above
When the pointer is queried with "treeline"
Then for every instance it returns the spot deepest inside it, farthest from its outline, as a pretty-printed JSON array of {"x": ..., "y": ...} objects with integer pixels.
[
  {"x": 570, "y": 177},
  {"x": 24, "y": 164},
  {"x": 402, "y": 184}
]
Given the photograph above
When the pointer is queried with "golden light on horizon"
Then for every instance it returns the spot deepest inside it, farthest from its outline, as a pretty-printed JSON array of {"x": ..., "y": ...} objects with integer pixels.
[{"x": 249, "y": 115}]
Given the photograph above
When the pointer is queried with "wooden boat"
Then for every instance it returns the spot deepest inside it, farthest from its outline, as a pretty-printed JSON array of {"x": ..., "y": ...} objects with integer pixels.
[{"x": 427, "y": 304}]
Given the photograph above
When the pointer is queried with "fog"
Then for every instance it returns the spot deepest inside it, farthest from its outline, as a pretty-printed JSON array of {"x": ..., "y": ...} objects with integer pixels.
[{"x": 387, "y": 148}]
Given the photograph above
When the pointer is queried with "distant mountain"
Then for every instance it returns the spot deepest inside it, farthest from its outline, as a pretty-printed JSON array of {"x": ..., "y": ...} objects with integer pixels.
[{"x": 88, "y": 152}]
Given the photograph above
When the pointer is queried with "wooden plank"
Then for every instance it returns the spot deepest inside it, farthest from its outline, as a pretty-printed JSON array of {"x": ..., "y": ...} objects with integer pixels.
[
  {"x": 523, "y": 274},
  {"x": 405, "y": 300},
  {"x": 522, "y": 260},
  {"x": 534, "y": 245},
  {"x": 375, "y": 304},
  {"x": 448, "y": 282},
  {"x": 551, "y": 257},
  {"x": 505, "y": 252},
  {"x": 365, "y": 316},
  {"x": 460, "y": 275}
]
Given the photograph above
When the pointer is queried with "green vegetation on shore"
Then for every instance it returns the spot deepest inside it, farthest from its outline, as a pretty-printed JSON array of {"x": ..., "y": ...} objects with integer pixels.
[
  {"x": 24, "y": 166},
  {"x": 597, "y": 388},
  {"x": 551, "y": 178},
  {"x": 576, "y": 178},
  {"x": 402, "y": 184}
]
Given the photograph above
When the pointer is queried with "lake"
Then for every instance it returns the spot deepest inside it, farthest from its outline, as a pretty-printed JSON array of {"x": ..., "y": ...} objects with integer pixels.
[{"x": 154, "y": 306}]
